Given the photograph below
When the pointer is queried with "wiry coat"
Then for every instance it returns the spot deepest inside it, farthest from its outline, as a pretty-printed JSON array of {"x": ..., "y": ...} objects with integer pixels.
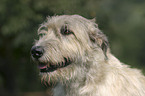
[{"x": 93, "y": 71}]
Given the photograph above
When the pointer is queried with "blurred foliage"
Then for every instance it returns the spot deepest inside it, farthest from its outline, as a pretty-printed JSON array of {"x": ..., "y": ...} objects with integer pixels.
[{"x": 122, "y": 20}]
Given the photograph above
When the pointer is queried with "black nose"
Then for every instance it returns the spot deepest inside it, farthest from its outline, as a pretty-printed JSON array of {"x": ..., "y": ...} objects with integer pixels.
[{"x": 37, "y": 51}]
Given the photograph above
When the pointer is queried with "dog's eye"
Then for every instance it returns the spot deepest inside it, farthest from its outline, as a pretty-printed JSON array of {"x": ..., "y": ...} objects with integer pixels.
[
  {"x": 65, "y": 31},
  {"x": 42, "y": 34}
]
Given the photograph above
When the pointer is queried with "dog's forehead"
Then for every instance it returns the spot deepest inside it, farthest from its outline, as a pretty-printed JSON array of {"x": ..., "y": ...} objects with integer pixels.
[
  {"x": 75, "y": 23},
  {"x": 70, "y": 20}
]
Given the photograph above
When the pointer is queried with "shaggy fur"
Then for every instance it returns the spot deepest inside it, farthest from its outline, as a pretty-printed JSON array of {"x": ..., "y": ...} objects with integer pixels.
[{"x": 78, "y": 55}]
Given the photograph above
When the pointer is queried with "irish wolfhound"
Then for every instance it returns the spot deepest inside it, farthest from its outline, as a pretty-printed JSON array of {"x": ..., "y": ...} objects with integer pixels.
[{"x": 73, "y": 52}]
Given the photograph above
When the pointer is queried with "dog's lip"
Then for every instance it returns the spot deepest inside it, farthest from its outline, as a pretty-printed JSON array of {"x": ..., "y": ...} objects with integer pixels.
[
  {"x": 49, "y": 67},
  {"x": 45, "y": 67}
]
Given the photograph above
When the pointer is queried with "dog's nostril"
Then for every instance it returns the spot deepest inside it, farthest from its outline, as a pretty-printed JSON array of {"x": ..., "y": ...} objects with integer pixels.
[{"x": 37, "y": 52}]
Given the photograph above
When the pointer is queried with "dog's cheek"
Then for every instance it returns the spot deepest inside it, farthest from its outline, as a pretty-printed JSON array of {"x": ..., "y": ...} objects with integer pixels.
[{"x": 72, "y": 47}]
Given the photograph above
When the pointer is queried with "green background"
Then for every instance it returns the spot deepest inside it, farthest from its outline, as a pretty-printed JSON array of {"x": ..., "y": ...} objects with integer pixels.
[{"x": 123, "y": 21}]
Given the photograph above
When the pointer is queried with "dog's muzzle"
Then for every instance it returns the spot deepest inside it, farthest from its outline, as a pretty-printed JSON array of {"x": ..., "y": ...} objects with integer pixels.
[{"x": 38, "y": 51}]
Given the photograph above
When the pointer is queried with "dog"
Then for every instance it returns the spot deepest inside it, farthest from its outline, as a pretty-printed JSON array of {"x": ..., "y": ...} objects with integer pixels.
[{"x": 73, "y": 52}]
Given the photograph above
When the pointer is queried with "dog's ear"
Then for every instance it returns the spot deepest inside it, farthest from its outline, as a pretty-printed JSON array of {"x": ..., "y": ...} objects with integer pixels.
[{"x": 97, "y": 37}]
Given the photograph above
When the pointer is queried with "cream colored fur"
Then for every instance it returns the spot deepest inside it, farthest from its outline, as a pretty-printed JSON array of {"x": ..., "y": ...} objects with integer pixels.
[{"x": 94, "y": 71}]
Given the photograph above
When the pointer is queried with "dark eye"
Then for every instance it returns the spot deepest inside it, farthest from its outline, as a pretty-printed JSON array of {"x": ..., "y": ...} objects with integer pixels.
[
  {"x": 42, "y": 34},
  {"x": 65, "y": 31}
]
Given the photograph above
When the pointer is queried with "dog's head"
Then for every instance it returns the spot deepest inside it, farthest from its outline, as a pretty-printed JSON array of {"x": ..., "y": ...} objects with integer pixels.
[{"x": 65, "y": 44}]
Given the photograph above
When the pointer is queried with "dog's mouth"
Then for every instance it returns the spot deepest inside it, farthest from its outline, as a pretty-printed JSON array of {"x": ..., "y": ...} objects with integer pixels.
[{"x": 45, "y": 67}]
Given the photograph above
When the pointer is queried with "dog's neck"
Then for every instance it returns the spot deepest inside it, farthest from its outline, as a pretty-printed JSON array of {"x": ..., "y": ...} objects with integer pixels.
[
  {"x": 68, "y": 89},
  {"x": 81, "y": 85}
]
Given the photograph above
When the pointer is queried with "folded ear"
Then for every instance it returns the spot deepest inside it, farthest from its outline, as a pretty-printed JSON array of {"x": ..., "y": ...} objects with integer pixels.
[{"x": 97, "y": 37}]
